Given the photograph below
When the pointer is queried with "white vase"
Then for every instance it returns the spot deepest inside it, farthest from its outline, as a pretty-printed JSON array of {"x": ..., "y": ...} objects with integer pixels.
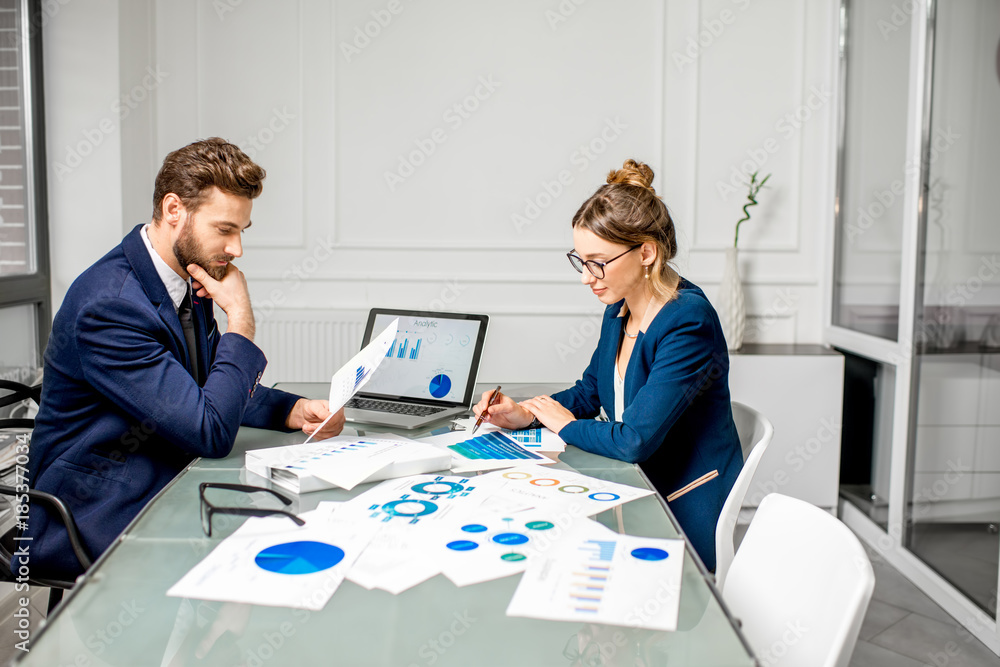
[{"x": 732, "y": 309}]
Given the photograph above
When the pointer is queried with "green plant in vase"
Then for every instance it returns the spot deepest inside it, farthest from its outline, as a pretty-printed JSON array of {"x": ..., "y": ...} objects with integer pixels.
[{"x": 732, "y": 306}]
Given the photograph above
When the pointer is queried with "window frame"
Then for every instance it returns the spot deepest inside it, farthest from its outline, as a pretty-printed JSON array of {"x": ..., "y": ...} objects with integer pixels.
[{"x": 33, "y": 288}]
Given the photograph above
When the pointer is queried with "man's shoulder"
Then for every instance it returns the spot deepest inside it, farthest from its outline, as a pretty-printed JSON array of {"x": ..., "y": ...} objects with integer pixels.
[{"x": 109, "y": 278}]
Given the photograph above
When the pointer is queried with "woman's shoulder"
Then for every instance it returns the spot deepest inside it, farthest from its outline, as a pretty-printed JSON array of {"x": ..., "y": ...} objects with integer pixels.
[{"x": 689, "y": 302}]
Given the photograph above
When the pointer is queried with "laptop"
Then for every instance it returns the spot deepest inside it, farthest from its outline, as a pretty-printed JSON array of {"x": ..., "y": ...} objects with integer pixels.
[{"x": 429, "y": 372}]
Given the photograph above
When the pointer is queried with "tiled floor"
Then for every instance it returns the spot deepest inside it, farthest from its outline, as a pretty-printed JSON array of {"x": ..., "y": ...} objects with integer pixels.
[{"x": 905, "y": 628}]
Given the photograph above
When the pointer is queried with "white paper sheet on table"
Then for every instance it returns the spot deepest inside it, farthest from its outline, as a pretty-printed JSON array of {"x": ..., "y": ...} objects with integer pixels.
[
  {"x": 345, "y": 461},
  {"x": 599, "y": 576},
  {"x": 396, "y": 559},
  {"x": 534, "y": 486},
  {"x": 407, "y": 510},
  {"x": 271, "y": 561},
  {"x": 355, "y": 373},
  {"x": 485, "y": 545}
]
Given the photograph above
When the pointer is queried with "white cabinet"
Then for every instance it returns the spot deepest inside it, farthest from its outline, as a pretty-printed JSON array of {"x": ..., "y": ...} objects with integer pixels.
[{"x": 800, "y": 389}]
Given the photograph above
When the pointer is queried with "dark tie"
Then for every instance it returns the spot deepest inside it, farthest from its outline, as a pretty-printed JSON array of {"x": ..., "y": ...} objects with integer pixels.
[{"x": 187, "y": 323}]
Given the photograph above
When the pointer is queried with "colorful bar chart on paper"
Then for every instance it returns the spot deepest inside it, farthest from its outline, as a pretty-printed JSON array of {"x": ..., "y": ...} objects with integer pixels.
[
  {"x": 529, "y": 436},
  {"x": 492, "y": 446}
]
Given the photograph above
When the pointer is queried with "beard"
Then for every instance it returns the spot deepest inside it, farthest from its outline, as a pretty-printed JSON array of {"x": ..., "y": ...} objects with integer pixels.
[{"x": 188, "y": 250}]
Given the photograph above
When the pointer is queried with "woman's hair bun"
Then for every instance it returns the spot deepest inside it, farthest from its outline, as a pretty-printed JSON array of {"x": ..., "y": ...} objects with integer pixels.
[{"x": 633, "y": 173}]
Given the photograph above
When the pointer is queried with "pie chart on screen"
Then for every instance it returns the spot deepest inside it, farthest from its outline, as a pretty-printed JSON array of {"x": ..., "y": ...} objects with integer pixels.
[
  {"x": 440, "y": 386},
  {"x": 299, "y": 557}
]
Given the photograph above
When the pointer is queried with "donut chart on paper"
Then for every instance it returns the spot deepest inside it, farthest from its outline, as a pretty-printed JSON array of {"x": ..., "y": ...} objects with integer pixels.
[
  {"x": 299, "y": 557},
  {"x": 409, "y": 507}
]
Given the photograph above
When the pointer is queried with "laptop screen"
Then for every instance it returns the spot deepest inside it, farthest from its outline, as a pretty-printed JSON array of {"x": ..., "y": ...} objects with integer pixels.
[{"x": 435, "y": 357}]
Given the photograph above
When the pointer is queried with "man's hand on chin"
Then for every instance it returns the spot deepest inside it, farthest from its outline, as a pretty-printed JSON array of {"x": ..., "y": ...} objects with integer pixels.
[{"x": 308, "y": 414}]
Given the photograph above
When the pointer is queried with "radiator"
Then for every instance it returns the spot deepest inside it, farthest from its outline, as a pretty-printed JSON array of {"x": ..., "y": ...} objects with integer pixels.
[{"x": 308, "y": 345}]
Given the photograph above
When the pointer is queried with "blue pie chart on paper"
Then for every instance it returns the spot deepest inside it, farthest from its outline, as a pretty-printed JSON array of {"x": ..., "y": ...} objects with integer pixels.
[
  {"x": 440, "y": 385},
  {"x": 649, "y": 553},
  {"x": 299, "y": 557}
]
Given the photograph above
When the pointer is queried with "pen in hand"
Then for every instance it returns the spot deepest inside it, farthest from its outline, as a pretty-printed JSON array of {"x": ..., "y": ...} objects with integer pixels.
[{"x": 493, "y": 399}]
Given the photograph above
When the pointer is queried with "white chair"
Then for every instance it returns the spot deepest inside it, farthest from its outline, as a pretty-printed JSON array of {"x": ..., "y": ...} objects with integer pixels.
[
  {"x": 800, "y": 585},
  {"x": 755, "y": 433}
]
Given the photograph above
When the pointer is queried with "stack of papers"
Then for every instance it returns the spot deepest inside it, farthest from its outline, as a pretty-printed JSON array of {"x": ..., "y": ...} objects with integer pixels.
[
  {"x": 529, "y": 519},
  {"x": 345, "y": 462}
]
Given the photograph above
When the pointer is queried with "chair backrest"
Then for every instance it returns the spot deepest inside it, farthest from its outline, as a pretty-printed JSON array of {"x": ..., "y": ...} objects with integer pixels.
[
  {"x": 15, "y": 393},
  {"x": 55, "y": 507},
  {"x": 755, "y": 433},
  {"x": 800, "y": 585}
]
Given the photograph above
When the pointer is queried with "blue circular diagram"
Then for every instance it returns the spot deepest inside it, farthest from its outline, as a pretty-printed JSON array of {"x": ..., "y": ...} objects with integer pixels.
[
  {"x": 605, "y": 496},
  {"x": 474, "y": 528},
  {"x": 510, "y": 538},
  {"x": 299, "y": 557},
  {"x": 440, "y": 385},
  {"x": 437, "y": 488},
  {"x": 409, "y": 507},
  {"x": 649, "y": 553},
  {"x": 462, "y": 545}
]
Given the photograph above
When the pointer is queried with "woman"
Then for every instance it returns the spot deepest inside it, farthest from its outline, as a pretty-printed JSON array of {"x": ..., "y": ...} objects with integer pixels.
[{"x": 660, "y": 371}]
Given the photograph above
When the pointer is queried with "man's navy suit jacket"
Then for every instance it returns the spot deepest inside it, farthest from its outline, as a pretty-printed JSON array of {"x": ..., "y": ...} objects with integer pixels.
[
  {"x": 678, "y": 419},
  {"x": 121, "y": 414}
]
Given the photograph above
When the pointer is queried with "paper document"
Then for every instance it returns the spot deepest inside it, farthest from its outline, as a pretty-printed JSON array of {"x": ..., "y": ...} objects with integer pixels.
[
  {"x": 539, "y": 439},
  {"x": 485, "y": 546},
  {"x": 419, "y": 499},
  {"x": 491, "y": 450},
  {"x": 271, "y": 561},
  {"x": 598, "y": 576},
  {"x": 534, "y": 486},
  {"x": 355, "y": 373},
  {"x": 345, "y": 461}
]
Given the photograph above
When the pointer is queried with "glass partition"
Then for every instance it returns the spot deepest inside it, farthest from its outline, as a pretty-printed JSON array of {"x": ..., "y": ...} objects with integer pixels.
[
  {"x": 872, "y": 171},
  {"x": 955, "y": 478}
]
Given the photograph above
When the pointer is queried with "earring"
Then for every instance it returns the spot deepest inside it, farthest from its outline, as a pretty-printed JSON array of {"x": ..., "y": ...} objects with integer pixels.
[{"x": 647, "y": 272}]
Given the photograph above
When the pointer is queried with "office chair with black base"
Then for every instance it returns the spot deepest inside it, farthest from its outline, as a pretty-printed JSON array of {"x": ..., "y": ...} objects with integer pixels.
[{"x": 8, "y": 544}]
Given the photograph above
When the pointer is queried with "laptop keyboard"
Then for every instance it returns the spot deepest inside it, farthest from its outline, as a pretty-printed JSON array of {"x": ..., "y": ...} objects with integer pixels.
[{"x": 393, "y": 407}]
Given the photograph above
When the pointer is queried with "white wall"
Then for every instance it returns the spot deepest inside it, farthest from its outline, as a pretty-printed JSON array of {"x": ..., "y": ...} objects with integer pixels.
[{"x": 328, "y": 122}]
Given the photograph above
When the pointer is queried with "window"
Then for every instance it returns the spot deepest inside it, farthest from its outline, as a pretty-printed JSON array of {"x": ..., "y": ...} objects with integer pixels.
[{"x": 24, "y": 272}]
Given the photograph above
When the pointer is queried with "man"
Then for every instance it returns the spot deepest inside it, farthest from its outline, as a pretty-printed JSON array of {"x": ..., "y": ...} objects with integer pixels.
[{"x": 138, "y": 380}]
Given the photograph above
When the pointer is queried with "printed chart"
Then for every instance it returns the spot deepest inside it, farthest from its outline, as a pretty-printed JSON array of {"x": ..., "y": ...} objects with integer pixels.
[
  {"x": 544, "y": 487},
  {"x": 492, "y": 446},
  {"x": 490, "y": 546},
  {"x": 598, "y": 576},
  {"x": 271, "y": 561}
]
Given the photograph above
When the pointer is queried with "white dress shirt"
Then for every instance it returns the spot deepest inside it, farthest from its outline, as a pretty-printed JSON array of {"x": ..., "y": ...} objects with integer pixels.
[{"x": 176, "y": 286}]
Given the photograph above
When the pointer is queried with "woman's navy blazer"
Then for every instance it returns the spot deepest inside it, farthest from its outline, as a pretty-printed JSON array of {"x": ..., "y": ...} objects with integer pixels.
[{"x": 678, "y": 420}]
